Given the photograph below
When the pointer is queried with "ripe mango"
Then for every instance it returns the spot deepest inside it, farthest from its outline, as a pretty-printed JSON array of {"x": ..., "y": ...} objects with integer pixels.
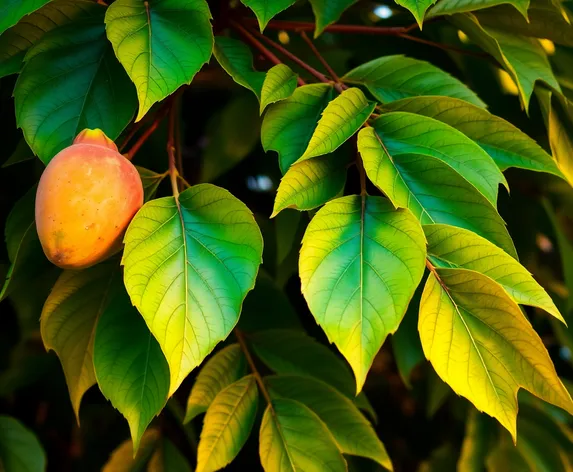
[{"x": 85, "y": 200}]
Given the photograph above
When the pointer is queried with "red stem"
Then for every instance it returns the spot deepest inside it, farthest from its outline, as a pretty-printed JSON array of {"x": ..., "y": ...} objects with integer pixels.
[
  {"x": 322, "y": 60},
  {"x": 162, "y": 113},
  {"x": 309, "y": 26}
]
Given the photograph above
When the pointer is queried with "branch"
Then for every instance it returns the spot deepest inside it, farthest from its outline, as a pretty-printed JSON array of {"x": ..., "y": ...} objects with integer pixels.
[
  {"x": 447, "y": 47},
  {"x": 261, "y": 383},
  {"x": 162, "y": 113},
  {"x": 173, "y": 173},
  {"x": 322, "y": 60}
]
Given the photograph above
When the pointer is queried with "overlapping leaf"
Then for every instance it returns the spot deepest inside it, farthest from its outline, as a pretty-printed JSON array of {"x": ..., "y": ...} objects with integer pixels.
[
  {"x": 392, "y": 78},
  {"x": 227, "y": 424},
  {"x": 432, "y": 190},
  {"x": 225, "y": 367},
  {"x": 20, "y": 450},
  {"x": 12, "y": 11},
  {"x": 125, "y": 459},
  {"x": 280, "y": 83},
  {"x": 150, "y": 181},
  {"x": 417, "y": 8},
  {"x": 448, "y": 7},
  {"x": 74, "y": 306},
  {"x": 288, "y": 125},
  {"x": 341, "y": 118},
  {"x": 293, "y": 438},
  {"x": 189, "y": 262},
  {"x": 507, "y": 145},
  {"x": 161, "y": 44},
  {"x": 350, "y": 429},
  {"x": 71, "y": 81},
  {"x": 360, "y": 263},
  {"x": 130, "y": 368},
  {"x": 459, "y": 248},
  {"x": 265, "y": 10},
  {"x": 480, "y": 343}
]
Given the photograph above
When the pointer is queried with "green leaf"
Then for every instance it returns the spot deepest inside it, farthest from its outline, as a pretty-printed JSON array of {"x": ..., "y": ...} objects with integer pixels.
[
  {"x": 292, "y": 352},
  {"x": 280, "y": 83},
  {"x": 150, "y": 181},
  {"x": 74, "y": 306},
  {"x": 130, "y": 368},
  {"x": 189, "y": 262},
  {"x": 20, "y": 450},
  {"x": 544, "y": 20},
  {"x": 23, "y": 246},
  {"x": 293, "y": 438},
  {"x": 417, "y": 8},
  {"x": 227, "y": 424},
  {"x": 265, "y": 10},
  {"x": 432, "y": 190},
  {"x": 161, "y": 44},
  {"x": 72, "y": 81},
  {"x": 523, "y": 58},
  {"x": 477, "y": 442},
  {"x": 360, "y": 262},
  {"x": 350, "y": 429},
  {"x": 167, "y": 458},
  {"x": 17, "y": 40},
  {"x": 459, "y": 248},
  {"x": 22, "y": 153},
  {"x": 409, "y": 134},
  {"x": 327, "y": 12},
  {"x": 482, "y": 346},
  {"x": 231, "y": 136},
  {"x": 237, "y": 59},
  {"x": 507, "y": 145},
  {"x": 124, "y": 458},
  {"x": 12, "y": 11},
  {"x": 313, "y": 182},
  {"x": 288, "y": 125},
  {"x": 225, "y": 367},
  {"x": 449, "y": 7},
  {"x": 341, "y": 118},
  {"x": 392, "y": 78}
]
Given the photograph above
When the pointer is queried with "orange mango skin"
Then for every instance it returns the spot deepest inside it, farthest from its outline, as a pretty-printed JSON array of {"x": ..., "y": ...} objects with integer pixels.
[{"x": 86, "y": 198}]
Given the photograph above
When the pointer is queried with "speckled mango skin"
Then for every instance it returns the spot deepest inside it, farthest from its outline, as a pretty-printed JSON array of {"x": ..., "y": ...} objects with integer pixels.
[{"x": 85, "y": 200}]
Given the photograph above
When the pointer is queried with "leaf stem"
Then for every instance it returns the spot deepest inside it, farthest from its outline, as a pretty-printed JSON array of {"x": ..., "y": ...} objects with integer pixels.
[
  {"x": 162, "y": 113},
  {"x": 173, "y": 173},
  {"x": 448, "y": 47},
  {"x": 245, "y": 348}
]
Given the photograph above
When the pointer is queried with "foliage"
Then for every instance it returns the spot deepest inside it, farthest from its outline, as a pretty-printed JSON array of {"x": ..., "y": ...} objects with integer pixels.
[{"x": 258, "y": 284}]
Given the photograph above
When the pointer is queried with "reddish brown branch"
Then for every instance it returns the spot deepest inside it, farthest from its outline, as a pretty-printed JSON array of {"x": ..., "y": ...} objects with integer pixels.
[
  {"x": 322, "y": 60},
  {"x": 162, "y": 113}
]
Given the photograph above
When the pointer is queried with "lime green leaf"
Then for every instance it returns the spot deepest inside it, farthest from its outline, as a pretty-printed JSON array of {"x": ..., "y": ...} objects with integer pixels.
[
  {"x": 481, "y": 344},
  {"x": 360, "y": 262},
  {"x": 280, "y": 83},
  {"x": 17, "y": 40},
  {"x": 72, "y": 81},
  {"x": 409, "y": 134},
  {"x": 313, "y": 182},
  {"x": 231, "y": 136},
  {"x": 523, "y": 58},
  {"x": 459, "y": 248},
  {"x": 130, "y": 368},
  {"x": 391, "y": 78},
  {"x": 327, "y": 12},
  {"x": 342, "y": 117},
  {"x": 167, "y": 458},
  {"x": 161, "y": 44},
  {"x": 432, "y": 190},
  {"x": 288, "y": 125},
  {"x": 417, "y": 8},
  {"x": 350, "y": 429},
  {"x": 74, "y": 306},
  {"x": 124, "y": 459},
  {"x": 293, "y": 438},
  {"x": 20, "y": 450},
  {"x": 477, "y": 442},
  {"x": 12, "y": 11},
  {"x": 227, "y": 424},
  {"x": 23, "y": 246},
  {"x": 448, "y": 7},
  {"x": 150, "y": 181},
  {"x": 189, "y": 262},
  {"x": 225, "y": 367},
  {"x": 507, "y": 145},
  {"x": 264, "y": 10},
  {"x": 237, "y": 59},
  {"x": 545, "y": 21}
]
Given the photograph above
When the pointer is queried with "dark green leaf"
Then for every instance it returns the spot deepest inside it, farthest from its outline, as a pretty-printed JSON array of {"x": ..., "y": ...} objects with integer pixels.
[
  {"x": 265, "y": 9},
  {"x": 22, "y": 153},
  {"x": 327, "y": 12},
  {"x": 150, "y": 181},
  {"x": 12, "y": 11},
  {"x": 20, "y": 450},
  {"x": 167, "y": 458}
]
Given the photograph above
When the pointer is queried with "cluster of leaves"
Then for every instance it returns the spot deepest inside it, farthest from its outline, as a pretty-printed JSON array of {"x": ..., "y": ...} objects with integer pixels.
[{"x": 422, "y": 235}]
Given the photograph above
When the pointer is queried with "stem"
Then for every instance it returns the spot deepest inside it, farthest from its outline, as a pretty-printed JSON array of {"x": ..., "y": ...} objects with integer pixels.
[
  {"x": 322, "y": 60},
  {"x": 162, "y": 113},
  {"x": 447, "y": 47},
  {"x": 362, "y": 173},
  {"x": 178, "y": 147},
  {"x": 319, "y": 75},
  {"x": 173, "y": 173},
  {"x": 261, "y": 383}
]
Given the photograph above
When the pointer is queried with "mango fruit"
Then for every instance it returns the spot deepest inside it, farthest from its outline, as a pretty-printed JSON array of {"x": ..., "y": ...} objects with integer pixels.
[{"x": 85, "y": 200}]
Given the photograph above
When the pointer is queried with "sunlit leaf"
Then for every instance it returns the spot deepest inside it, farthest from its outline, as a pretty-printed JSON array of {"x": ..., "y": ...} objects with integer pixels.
[
  {"x": 161, "y": 44},
  {"x": 189, "y": 262},
  {"x": 360, "y": 263},
  {"x": 477, "y": 442},
  {"x": 280, "y": 83},
  {"x": 264, "y": 10},
  {"x": 20, "y": 450}
]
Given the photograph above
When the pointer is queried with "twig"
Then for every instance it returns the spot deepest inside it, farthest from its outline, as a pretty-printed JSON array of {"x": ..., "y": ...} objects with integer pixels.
[
  {"x": 162, "y": 113},
  {"x": 448, "y": 47},
  {"x": 173, "y": 173},
  {"x": 322, "y": 60},
  {"x": 243, "y": 344}
]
